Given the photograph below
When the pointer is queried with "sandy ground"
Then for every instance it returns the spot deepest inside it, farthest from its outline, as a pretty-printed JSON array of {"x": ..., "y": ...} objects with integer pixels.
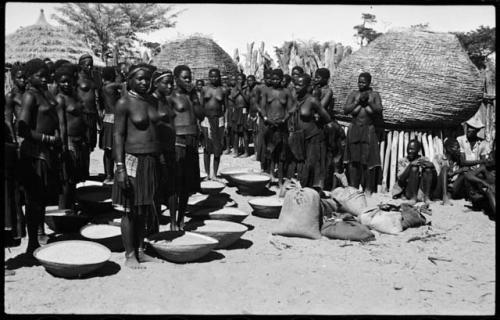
[{"x": 266, "y": 274}]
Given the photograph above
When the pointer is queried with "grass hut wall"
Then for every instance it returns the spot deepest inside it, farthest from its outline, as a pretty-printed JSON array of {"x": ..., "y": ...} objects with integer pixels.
[
  {"x": 199, "y": 53},
  {"x": 43, "y": 40},
  {"x": 425, "y": 79}
]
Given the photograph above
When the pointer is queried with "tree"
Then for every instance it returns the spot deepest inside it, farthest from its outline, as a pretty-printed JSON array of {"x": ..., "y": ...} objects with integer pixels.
[
  {"x": 365, "y": 33},
  {"x": 478, "y": 44},
  {"x": 107, "y": 26},
  {"x": 155, "y": 47},
  {"x": 420, "y": 26}
]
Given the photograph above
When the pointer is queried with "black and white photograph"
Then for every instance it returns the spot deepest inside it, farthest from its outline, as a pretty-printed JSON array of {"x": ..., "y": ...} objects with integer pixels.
[{"x": 253, "y": 159}]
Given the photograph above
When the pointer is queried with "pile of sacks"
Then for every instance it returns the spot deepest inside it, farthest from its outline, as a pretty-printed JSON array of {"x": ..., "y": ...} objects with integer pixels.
[{"x": 345, "y": 215}]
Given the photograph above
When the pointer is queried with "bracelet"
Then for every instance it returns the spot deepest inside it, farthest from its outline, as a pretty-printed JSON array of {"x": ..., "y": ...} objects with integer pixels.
[{"x": 119, "y": 164}]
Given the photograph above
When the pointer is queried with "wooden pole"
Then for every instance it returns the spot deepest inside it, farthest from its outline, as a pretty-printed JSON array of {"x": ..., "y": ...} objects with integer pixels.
[
  {"x": 386, "y": 161},
  {"x": 382, "y": 152},
  {"x": 430, "y": 146},
  {"x": 405, "y": 143},
  {"x": 425, "y": 145},
  {"x": 394, "y": 159},
  {"x": 400, "y": 143},
  {"x": 412, "y": 134}
]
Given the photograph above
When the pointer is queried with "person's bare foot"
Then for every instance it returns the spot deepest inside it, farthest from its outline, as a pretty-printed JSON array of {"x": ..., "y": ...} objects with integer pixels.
[
  {"x": 132, "y": 263},
  {"x": 244, "y": 155},
  {"x": 412, "y": 201},
  {"x": 427, "y": 200},
  {"x": 31, "y": 248},
  {"x": 173, "y": 227},
  {"x": 227, "y": 151},
  {"x": 180, "y": 225},
  {"x": 143, "y": 257},
  {"x": 446, "y": 203},
  {"x": 368, "y": 193}
]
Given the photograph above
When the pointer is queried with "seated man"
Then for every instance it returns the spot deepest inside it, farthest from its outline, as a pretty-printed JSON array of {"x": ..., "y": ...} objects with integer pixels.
[
  {"x": 450, "y": 184},
  {"x": 482, "y": 180},
  {"x": 416, "y": 175}
]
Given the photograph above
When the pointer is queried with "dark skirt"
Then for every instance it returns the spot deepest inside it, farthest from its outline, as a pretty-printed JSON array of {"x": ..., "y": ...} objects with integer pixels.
[
  {"x": 90, "y": 120},
  {"x": 213, "y": 140},
  {"x": 187, "y": 164},
  {"x": 168, "y": 173},
  {"x": 78, "y": 162},
  {"x": 275, "y": 140},
  {"x": 41, "y": 180},
  {"x": 14, "y": 228},
  {"x": 106, "y": 136},
  {"x": 251, "y": 123},
  {"x": 260, "y": 145},
  {"x": 362, "y": 146},
  {"x": 145, "y": 186},
  {"x": 313, "y": 171},
  {"x": 238, "y": 120}
]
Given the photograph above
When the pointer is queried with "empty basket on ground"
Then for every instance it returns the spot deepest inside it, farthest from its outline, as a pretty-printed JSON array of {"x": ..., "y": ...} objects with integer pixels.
[
  {"x": 425, "y": 79},
  {"x": 225, "y": 232},
  {"x": 266, "y": 207},
  {"x": 72, "y": 258},
  {"x": 351, "y": 200},
  {"x": 211, "y": 187},
  {"x": 65, "y": 221},
  {"x": 229, "y": 173},
  {"x": 251, "y": 183},
  {"x": 229, "y": 214},
  {"x": 105, "y": 234},
  {"x": 182, "y": 246},
  {"x": 94, "y": 199}
]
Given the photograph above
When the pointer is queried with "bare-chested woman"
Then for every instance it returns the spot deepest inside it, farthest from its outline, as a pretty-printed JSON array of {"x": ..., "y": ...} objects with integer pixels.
[
  {"x": 362, "y": 151},
  {"x": 110, "y": 93},
  {"x": 274, "y": 107},
  {"x": 87, "y": 89},
  {"x": 241, "y": 103},
  {"x": 137, "y": 156},
  {"x": 213, "y": 104},
  {"x": 73, "y": 133},
  {"x": 230, "y": 105},
  {"x": 260, "y": 147},
  {"x": 251, "y": 122},
  {"x": 13, "y": 199},
  {"x": 163, "y": 87},
  {"x": 187, "y": 109},
  {"x": 313, "y": 171},
  {"x": 39, "y": 126}
]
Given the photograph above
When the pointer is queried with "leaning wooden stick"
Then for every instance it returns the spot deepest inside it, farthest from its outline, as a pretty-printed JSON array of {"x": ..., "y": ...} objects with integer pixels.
[
  {"x": 387, "y": 157},
  {"x": 382, "y": 153},
  {"x": 394, "y": 159},
  {"x": 401, "y": 144}
]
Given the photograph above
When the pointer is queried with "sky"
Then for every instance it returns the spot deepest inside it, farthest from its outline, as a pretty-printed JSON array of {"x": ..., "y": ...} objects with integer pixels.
[{"x": 234, "y": 25}]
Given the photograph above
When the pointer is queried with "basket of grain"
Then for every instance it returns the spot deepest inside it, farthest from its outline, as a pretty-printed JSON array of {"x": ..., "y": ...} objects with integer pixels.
[
  {"x": 211, "y": 187},
  {"x": 182, "y": 246},
  {"x": 72, "y": 258},
  {"x": 89, "y": 183},
  {"x": 94, "y": 199},
  {"x": 225, "y": 232},
  {"x": 228, "y": 214},
  {"x": 65, "y": 220},
  {"x": 105, "y": 234},
  {"x": 251, "y": 183},
  {"x": 266, "y": 207},
  {"x": 230, "y": 172}
]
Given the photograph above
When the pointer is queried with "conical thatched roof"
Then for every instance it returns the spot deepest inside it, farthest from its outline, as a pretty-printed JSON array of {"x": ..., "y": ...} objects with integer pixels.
[
  {"x": 425, "y": 79},
  {"x": 43, "y": 40},
  {"x": 199, "y": 53}
]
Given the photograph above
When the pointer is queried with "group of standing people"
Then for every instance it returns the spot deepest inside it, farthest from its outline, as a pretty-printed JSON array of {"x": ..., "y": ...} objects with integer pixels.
[{"x": 151, "y": 123}]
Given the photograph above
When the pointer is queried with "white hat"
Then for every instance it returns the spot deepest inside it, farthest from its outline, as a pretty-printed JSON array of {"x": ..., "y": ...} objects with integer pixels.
[{"x": 475, "y": 122}]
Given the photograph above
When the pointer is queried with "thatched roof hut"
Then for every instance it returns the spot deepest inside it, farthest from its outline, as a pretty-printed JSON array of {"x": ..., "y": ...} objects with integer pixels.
[
  {"x": 43, "y": 40},
  {"x": 425, "y": 79},
  {"x": 199, "y": 53}
]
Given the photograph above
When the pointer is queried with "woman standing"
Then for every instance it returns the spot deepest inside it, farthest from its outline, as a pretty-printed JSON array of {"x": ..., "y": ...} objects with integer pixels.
[
  {"x": 73, "y": 132},
  {"x": 39, "y": 126},
  {"x": 137, "y": 175}
]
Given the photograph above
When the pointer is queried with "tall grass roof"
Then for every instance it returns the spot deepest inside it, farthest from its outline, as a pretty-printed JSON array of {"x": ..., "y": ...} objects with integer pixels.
[
  {"x": 199, "y": 53},
  {"x": 43, "y": 40},
  {"x": 425, "y": 79}
]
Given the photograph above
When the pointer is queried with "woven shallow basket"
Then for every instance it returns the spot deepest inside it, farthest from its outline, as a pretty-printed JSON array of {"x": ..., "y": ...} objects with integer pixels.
[
  {"x": 228, "y": 214},
  {"x": 211, "y": 187},
  {"x": 266, "y": 207},
  {"x": 225, "y": 232},
  {"x": 72, "y": 258},
  {"x": 182, "y": 246},
  {"x": 229, "y": 173},
  {"x": 94, "y": 199},
  {"x": 251, "y": 183},
  {"x": 199, "y": 53},
  {"x": 106, "y": 234},
  {"x": 425, "y": 79},
  {"x": 65, "y": 221}
]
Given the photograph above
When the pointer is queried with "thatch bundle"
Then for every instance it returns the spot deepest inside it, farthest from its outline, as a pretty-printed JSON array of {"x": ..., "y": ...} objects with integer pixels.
[
  {"x": 43, "y": 40},
  {"x": 199, "y": 53},
  {"x": 425, "y": 79}
]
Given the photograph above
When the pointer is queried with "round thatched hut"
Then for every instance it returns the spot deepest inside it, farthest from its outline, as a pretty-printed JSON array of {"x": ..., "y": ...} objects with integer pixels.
[
  {"x": 199, "y": 53},
  {"x": 425, "y": 79},
  {"x": 43, "y": 40}
]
